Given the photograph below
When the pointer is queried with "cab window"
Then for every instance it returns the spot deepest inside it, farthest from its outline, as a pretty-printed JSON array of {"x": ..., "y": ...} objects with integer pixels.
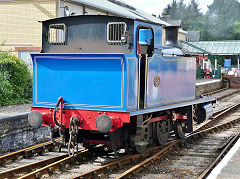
[{"x": 145, "y": 43}]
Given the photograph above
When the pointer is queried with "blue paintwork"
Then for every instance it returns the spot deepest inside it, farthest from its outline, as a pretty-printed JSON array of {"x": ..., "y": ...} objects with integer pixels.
[
  {"x": 177, "y": 80},
  {"x": 204, "y": 100},
  {"x": 109, "y": 82},
  {"x": 132, "y": 82},
  {"x": 84, "y": 81}
]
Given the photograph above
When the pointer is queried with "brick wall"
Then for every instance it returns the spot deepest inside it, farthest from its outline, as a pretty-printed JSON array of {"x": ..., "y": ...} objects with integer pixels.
[{"x": 19, "y": 21}]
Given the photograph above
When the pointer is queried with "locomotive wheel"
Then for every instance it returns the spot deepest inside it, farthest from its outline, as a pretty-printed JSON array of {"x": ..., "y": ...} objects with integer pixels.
[
  {"x": 179, "y": 130},
  {"x": 162, "y": 129}
]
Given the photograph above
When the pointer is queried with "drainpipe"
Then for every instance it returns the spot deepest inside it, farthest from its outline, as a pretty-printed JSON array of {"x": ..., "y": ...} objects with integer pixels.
[{"x": 58, "y": 7}]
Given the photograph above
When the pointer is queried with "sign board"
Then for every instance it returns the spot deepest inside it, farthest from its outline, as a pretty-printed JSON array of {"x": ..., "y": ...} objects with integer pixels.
[{"x": 227, "y": 63}]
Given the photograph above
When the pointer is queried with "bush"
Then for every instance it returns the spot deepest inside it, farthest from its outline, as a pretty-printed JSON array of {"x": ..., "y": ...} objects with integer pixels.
[{"x": 15, "y": 80}]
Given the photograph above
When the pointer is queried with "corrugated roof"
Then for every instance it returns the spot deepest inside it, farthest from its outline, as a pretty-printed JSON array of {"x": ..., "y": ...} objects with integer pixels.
[
  {"x": 213, "y": 47},
  {"x": 119, "y": 7}
]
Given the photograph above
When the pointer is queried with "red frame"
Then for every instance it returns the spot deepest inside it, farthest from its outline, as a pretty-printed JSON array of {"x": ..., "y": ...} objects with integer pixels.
[{"x": 87, "y": 118}]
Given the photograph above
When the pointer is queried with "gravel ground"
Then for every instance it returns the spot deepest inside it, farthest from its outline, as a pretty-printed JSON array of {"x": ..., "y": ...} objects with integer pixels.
[{"x": 14, "y": 109}]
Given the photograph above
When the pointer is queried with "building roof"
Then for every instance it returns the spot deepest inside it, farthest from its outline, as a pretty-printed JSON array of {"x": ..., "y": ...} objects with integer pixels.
[
  {"x": 212, "y": 47},
  {"x": 119, "y": 7},
  {"x": 177, "y": 23},
  {"x": 193, "y": 35}
]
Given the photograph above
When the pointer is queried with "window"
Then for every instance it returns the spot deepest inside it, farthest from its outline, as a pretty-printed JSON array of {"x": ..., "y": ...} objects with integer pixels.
[
  {"x": 115, "y": 31},
  {"x": 145, "y": 42},
  {"x": 57, "y": 34}
]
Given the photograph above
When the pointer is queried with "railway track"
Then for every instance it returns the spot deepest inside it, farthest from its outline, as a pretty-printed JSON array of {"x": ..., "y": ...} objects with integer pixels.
[
  {"x": 190, "y": 161},
  {"x": 142, "y": 161},
  {"x": 56, "y": 162},
  {"x": 225, "y": 93},
  {"x": 214, "y": 92},
  {"x": 229, "y": 145},
  {"x": 27, "y": 152}
]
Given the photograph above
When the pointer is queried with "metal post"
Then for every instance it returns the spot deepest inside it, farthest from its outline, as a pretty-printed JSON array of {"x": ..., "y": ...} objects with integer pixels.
[
  {"x": 215, "y": 64},
  {"x": 58, "y": 7}
]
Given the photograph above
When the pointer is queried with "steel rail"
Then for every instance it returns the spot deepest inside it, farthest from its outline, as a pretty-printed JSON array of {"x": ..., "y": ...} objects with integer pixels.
[
  {"x": 220, "y": 111},
  {"x": 47, "y": 145},
  {"x": 152, "y": 159},
  {"x": 214, "y": 92},
  {"x": 27, "y": 152},
  {"x": 220, "y": 156},
  {"x": 227, "y": 95},
  {"x": 12, "y": 173},
  {"x": 119, "y": 163},
  {"x": 160, "y": 151},
  {"x": 217, "y": 116},
  {"x": 58, "y": 164},
  {"x": 218, "y": 91}
]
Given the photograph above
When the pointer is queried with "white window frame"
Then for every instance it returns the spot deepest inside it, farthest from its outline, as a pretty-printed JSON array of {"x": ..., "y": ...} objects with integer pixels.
[
  {"x": 108, "y": 34},
  {"x": 62, "y": 39}
]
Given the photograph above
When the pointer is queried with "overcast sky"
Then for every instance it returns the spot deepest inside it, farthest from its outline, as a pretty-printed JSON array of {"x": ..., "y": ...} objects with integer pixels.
[{"x": 156, "y": 6}]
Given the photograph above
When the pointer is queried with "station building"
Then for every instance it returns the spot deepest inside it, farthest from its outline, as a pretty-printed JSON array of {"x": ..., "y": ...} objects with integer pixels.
[{"x": 21, "y": 30}]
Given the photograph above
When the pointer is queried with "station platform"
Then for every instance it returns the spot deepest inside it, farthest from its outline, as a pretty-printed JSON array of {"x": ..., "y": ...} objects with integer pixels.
[
  {"x": 209, "y": 85},
  {"x": 207, "y": 81},
  {"x": 229, "y": 167}
]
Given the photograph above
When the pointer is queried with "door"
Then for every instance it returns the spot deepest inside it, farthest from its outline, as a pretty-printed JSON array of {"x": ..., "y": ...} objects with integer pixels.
[{"x": 145, "y": 48}]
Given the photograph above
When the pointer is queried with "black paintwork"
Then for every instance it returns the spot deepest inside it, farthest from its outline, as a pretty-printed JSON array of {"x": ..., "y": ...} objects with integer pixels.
[{"x": 87, "y": 34}]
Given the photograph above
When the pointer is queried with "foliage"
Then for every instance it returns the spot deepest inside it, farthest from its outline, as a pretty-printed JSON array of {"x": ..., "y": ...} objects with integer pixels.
[
  {"x": 190, "y": 15},
  {"x": 221, "y": 21},
  {"x": 15, "y": 80}
]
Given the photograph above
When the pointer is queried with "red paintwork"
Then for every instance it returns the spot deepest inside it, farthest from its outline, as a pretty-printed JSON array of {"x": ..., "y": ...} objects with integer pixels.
[
  {"x": 138, "y": 48},
  {"x": 158, "y": 118},
  {"x": 61, "y": 111},
  {"x": 96, "y": 142},
  {"x": 87, "y": 118},
  {"x": 164, "y": 117},
  {"x": 180, "y": 116},
  {"x": 47, "y": 119}
]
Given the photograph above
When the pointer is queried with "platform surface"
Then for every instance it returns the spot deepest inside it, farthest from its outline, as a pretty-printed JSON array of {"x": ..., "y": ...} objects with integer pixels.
[
  {"x": 206, "y": 81},
  {"x": 229, "y": 167}
]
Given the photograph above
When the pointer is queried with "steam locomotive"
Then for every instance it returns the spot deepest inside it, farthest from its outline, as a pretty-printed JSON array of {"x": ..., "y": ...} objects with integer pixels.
[{"x": 109, "y": 80}]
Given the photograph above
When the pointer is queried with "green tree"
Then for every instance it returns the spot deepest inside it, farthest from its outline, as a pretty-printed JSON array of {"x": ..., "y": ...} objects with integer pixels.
[
  {"x": 181, "y": 10},
  {"x": 171, "y": 10},
  {"x": 220, "y": 20},
  {"x": 15, "y": 80},
  {"x": 190, "y": 15}
]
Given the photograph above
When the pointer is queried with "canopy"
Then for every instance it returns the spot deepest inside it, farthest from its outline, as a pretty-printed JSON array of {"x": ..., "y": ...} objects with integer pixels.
[{"x": 212, "y": 47}]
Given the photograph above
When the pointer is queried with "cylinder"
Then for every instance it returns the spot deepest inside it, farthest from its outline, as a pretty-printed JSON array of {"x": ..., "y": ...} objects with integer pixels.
[{"x": 208, "y": 110}]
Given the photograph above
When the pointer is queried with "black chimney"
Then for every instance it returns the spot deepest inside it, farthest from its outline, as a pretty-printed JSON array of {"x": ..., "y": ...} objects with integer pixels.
[{"x": 172, "y": 36}]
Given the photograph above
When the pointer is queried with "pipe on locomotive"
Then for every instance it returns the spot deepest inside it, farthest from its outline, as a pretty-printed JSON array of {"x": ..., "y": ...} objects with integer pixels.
[
  {"x": 60, "y": 100},
  {"x": 35, "y": 119}
]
